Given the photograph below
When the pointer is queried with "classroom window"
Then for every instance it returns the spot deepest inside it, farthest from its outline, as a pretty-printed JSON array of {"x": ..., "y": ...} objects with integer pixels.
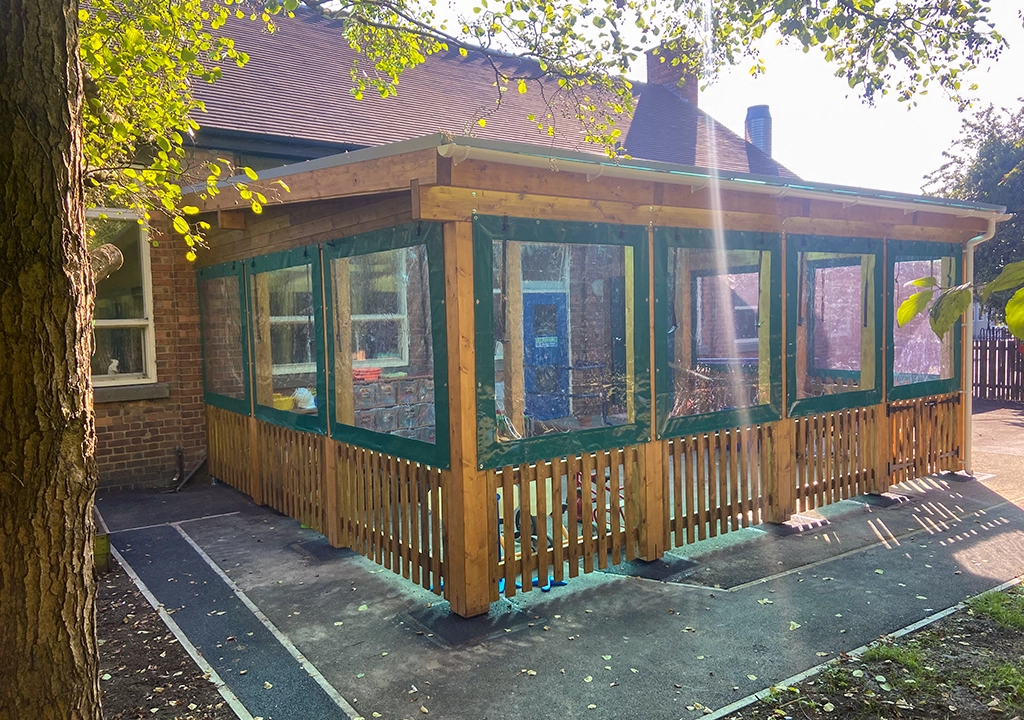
[{"x": 123, "y": 336}]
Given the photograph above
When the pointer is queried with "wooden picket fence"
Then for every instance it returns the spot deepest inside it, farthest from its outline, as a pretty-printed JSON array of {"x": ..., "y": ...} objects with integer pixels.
[
  {"x": 578, "y": 512},
  {"x": 926, "y": 436},
  {"x": 836, "y": 456},
  {"x": 227, "y": 438},
  {"x": 291, "y": 473},
  {"x": 998, "y": 366},
  {"x": 715, "y": 482},
  {"x": 386, "y": 508},
  {"x": 389, "y": 509}
]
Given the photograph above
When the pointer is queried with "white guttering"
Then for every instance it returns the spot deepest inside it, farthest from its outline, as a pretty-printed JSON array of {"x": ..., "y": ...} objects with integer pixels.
[
  {"x": 696, "y": 178},
  {"x": 968, "y": 380}
]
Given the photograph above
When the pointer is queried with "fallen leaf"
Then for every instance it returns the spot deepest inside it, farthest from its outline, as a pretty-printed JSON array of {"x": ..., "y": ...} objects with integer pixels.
[
  {"x": 821, "y": 654},
  {"x": 921, "y": 597},
  {"x": 633, "y": 670},
  {"x": 363, "y": 608},
  {"x": 339, "y": 622},
  {"x": 879, "y": 572},
  {"x": 267, "y": 685},
  {"x": 243, "y": 672},
  {"x": 106, "y": 676},
  {"x": 588, "y": 678},
  {"x": 591, "y": 706},
  {"x": 606, "y": 657},
  {"x": 423, "y": 710},
  {"x": 828, "y": 707},
  {"x": 359, "y": 675},
  {"x": 531, "y": 673},
  {"x": 765, "y": 601},
  {"x": 751, "y": 677},
  {"x": 793, "y": 625}
]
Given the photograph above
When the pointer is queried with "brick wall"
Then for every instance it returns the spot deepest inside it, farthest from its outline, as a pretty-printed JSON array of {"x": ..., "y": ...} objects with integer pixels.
[{"x": 136, "y": 440}]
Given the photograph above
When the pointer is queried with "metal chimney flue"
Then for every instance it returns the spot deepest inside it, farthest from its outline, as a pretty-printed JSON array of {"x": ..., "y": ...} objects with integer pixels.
[{"x": 758, "y": 128}]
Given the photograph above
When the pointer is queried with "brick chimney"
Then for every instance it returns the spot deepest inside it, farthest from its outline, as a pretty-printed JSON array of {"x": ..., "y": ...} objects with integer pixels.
[{"x": 667, "y": 69}]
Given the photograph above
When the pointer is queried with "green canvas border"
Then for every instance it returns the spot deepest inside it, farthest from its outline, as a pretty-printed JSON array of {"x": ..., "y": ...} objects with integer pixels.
[
  {"x": 296, "y": 257},
  {"x": 486, "y": 229},
  {"x": 411, "y": 234},
  {"x": 795, "y": 244},
  {"x": 235, "y": 268},
  {"x": 918, "y": 250},
  {"x": 666, "y": 237}
]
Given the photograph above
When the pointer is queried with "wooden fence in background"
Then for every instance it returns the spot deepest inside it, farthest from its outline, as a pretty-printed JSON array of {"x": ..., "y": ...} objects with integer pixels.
[
  {"x": 836, "y": 456},
  {"x": 998, "y": 366}
]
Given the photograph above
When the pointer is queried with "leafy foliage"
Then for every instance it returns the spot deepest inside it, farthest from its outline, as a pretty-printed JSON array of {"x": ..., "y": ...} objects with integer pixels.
[{"x": 987, "y": 165}]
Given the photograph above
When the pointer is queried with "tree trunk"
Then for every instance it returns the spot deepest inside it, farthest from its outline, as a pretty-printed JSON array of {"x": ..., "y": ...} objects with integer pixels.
[{"x": 48, "y": 650}]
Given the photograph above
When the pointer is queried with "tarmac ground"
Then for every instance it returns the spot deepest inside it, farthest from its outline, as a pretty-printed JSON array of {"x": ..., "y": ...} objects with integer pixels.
[{"x": 334, "y": 635}]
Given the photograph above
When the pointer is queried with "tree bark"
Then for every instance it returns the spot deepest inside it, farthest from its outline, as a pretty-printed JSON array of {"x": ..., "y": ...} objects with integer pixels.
[{"x": 48, "y": 649}]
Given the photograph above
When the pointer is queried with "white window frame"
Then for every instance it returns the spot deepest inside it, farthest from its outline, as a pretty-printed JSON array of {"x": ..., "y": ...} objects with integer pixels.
[
  {"x": 148, "y": 376},
  {"x": 402, "y": 316}
]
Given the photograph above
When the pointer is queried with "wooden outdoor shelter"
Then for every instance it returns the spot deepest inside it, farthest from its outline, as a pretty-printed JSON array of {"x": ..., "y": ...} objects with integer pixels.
[{"x": 483, "y": 364}]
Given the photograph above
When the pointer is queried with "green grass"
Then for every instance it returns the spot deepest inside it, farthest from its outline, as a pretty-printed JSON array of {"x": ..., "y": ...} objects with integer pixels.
[
  {"x": 1004, "y": 678},
  {"x": 907, "y": 657},
  {"x": 1005, "y": 609}
]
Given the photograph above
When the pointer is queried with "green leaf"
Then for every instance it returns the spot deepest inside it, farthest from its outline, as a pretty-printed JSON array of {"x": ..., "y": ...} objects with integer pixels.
[
  {"x": 948, "y": 309},
  {"x": 926, "y": 281},
  {"x": 1015, "y": 314},
  {"x": 190, "y": 210},
  {"x": 1011, "y": 276},
  {"x": 913, "y": 306},
  {"x": 180, "y": 225},
  {"x": 250, "y": 173},
  {"x": 522, "y": 86},
  {"x": 482, "y": 122}
]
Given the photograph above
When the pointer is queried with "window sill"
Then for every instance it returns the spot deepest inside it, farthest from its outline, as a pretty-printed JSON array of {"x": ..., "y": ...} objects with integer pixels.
[{"x": 129, "y": 393}]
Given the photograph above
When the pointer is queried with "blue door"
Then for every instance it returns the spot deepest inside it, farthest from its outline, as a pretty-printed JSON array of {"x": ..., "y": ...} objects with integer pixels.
[{"x": 546, "y": 355}]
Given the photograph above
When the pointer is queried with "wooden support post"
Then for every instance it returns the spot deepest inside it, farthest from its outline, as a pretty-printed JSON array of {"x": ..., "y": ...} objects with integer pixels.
[
  {"x": 342, "y": 323},
  {"x": 881, "y": 447},
  {"x": 329, "y": 453},
  {"x": 261, "y": 341},
  {"x": 465, "y": 497},
  {"x": 781, "y": 485},
  {"x": 512, "y": 363},
  {"x": 255, "y": 482},
  {"x": 653, "y": 471}
]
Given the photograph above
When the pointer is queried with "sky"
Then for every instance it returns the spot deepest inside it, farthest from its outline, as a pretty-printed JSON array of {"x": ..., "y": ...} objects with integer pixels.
[{"x": 823, "y": 134}]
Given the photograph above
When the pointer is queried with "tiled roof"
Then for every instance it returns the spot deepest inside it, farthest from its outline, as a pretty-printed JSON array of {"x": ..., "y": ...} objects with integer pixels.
[{"x": 297, "y": 85}]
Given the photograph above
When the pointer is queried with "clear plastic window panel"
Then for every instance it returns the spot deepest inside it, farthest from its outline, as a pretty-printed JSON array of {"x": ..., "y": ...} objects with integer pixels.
[
  {"x": 383, "y": 343},
  {"x": 564, "y": 349},
  {"x": 222, "y": 337},
  {"x": 836, "y": 337},
  {"x": 284, "y": 332},
  {"x": 718, "y": 329},
  {"x": 918, "y": 354}
]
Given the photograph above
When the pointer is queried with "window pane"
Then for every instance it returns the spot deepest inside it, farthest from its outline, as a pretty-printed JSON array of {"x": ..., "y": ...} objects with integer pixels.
[
  {"x": 285, "y": 339},
  {"x": 222, "y": 337},
  {"x": 383, "y": 362},
  {"x": 836, "y": 335},
  {"x": 918, "y": 354},
  {"x": 118, "y": 352},
  {"x": 564, "y": 351},
  {"x": 121, "y": 296},
  {"x": 718, "y": 347}
]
